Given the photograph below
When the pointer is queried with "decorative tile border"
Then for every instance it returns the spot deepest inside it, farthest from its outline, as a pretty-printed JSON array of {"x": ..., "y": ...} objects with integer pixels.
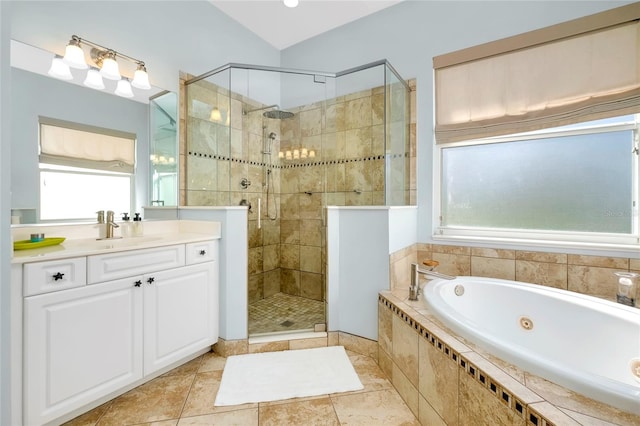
[
  {"x": 296, "y": 165},
  {"x": 504, "y": 395}
]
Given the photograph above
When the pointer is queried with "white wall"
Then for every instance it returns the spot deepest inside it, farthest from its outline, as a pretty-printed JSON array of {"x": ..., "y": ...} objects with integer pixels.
[
  {"x": 5, "y": 210},
  {"x": 411, "y": 33}
]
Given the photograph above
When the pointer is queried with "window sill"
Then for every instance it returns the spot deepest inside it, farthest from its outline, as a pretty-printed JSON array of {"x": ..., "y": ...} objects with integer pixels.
[{"x": 526, "y": 244}]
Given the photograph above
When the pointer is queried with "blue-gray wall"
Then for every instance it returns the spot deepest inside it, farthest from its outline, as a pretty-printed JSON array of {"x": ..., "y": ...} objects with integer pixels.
[{"x": 410, "y": 34}]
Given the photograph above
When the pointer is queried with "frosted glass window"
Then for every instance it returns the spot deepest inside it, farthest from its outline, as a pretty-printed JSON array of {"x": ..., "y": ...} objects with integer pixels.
[
  {"x": 578, "y": 183},
  {"x": 74, "y": 195}
]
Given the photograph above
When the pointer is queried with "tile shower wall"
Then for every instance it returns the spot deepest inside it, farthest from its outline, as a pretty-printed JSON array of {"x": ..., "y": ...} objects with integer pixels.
[
  {"x": 345, "y": 164},
  {"x": 591, "y": 275}
]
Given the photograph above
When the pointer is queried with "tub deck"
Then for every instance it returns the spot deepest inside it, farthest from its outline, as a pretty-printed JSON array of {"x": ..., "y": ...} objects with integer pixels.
[{"x": 481, "y": 381}]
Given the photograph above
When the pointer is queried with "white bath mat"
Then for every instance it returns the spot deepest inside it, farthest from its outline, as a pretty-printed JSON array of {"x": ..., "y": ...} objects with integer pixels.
[{"x": 272, "y": 376}]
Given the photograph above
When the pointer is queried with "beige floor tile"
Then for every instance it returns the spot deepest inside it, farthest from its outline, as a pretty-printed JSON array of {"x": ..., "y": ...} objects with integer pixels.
[
  {"x": 159, "y": 399},
  {"x": 212, "y": 362},
  {"x": 90, "y": 418},
  {"x": 203, "y": 396},
  {"x": 310, "y": 412},
  {"x": 383, "y": 407},
  {"x": 188, "y": 368},
  {"x": 248, "y": 417},
  {"x": 370, "y": 374}
]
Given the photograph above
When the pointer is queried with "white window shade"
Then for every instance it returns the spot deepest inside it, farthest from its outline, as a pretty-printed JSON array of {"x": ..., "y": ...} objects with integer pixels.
[
  {"x": 580, "y": 78},
  {"x": 69, "y": 144}
]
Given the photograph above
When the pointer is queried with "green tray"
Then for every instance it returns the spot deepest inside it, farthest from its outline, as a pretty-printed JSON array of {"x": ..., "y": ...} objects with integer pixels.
[{"x": 27, "y": 244}]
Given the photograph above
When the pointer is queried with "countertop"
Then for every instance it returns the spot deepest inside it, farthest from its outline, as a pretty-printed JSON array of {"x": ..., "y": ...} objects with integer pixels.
[{"x": 83, "y": 243}]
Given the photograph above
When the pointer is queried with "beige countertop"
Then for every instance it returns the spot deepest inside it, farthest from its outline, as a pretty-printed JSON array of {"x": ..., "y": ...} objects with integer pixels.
[{"x": 81, "y": 240}]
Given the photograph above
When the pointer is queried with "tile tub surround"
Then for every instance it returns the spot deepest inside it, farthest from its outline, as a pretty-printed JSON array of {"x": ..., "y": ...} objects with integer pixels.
[
  {"x": 591, "y": 275},
  {"x": 446, "y": 380},
  {"x": 186, "y": 394}
]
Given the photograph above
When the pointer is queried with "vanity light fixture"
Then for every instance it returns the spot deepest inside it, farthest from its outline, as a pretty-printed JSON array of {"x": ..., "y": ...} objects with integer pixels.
[
  {"x": 124, "y": 89},
  {"x": 94, "y": 79},
  {"x": 59, "y": 69},
  {"x": 106, "y": 60}
]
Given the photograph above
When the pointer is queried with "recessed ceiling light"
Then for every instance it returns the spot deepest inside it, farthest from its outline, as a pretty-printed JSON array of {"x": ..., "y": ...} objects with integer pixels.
[{"x": 291, "y": 3}]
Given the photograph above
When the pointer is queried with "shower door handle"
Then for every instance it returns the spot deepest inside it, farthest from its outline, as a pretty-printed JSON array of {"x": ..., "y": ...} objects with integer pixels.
[{"x": 259, "y": 212}]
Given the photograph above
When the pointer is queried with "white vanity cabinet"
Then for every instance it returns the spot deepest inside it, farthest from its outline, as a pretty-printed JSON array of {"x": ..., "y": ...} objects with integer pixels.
[
  {"x": 139, "y": 312},
  {"x": 79, "y": 345}
]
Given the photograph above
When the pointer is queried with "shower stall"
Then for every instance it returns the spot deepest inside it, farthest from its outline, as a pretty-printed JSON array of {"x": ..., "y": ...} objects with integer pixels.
[{"x": 288, "y": 143}]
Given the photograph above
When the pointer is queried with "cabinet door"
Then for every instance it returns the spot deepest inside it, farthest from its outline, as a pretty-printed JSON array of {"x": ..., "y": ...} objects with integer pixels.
[
  {"x": 180, "y": 314},
  {"x": 79, "y": 345}
]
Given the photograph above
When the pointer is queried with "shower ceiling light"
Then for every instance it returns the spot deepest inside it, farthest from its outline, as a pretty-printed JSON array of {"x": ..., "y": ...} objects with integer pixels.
[
  {"x": 291, "y": 3},
  {"x": 106, "y": 61}
]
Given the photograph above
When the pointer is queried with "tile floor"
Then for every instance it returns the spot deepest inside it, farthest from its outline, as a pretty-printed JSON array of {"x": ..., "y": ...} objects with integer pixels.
[
  {"x": 185, "y": 396},
  {"x": 283, "y": 312}
]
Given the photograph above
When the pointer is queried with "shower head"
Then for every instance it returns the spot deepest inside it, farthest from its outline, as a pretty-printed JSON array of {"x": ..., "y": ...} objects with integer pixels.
[{"x": 278, "y": 114}]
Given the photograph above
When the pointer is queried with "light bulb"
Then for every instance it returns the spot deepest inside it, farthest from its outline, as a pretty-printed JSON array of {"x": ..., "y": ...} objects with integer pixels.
[
  {"x": 215, "y": 115},
  {"x": 110, "y": 67},
  {"x": 124, "y": 89},
  {"x": 73, "y": 54},
  {"x": 141, "y": 78},
  {"x": 59, "y": 69},
  {"x": 94, "y": 79},
  {"x": 291, "y": 3}
]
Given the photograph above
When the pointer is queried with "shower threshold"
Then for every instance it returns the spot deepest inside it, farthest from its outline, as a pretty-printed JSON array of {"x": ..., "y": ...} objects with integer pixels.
[{"x": 285, "y": 335}]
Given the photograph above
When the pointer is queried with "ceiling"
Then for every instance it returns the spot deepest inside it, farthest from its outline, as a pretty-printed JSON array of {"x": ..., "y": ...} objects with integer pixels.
[{"x": 282, "y": 26}]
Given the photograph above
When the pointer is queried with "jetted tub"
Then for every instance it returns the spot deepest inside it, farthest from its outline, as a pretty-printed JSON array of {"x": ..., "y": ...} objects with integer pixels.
[{"x": 586, "y": 344}]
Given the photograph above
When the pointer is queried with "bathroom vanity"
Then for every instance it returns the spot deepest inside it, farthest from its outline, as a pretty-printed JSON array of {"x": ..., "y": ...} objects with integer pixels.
[{"x": 96, "y": 318}]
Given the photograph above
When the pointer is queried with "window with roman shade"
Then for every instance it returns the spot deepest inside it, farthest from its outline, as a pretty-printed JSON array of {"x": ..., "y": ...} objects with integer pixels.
[
  {"x": 74, "y": 145},
  {"x": 582, "y": 70}
]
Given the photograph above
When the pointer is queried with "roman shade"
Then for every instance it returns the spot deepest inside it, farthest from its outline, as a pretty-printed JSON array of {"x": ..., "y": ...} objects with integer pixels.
[
  {"x": 578, "y": 71},
  {"x": 74, "y": 145}
]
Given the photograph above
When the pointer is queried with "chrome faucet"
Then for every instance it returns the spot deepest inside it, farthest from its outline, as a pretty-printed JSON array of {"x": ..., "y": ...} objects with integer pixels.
[
  {"x": 414, "y": 289},
  {"x": 110, "y": 224}
]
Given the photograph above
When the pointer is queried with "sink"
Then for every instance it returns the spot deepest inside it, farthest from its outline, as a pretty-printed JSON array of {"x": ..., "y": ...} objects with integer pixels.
[{"x": 125, "y": 242}]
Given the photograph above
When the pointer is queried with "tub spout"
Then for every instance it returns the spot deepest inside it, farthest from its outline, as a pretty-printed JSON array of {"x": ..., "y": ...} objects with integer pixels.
[{"x": 414, "y": 288}]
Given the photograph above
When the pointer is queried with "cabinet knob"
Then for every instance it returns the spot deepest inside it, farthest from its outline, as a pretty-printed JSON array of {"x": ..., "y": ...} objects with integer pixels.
[
  {"x": 58, "y": 276},
  {"x": 203, "y": 252},
  {"x": 150, "y": 280},
  {"x": 137, "y": 283}
]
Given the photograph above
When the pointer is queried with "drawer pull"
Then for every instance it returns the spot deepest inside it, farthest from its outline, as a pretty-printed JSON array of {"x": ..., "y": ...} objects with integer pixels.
[
  {"x": 58, "y": 276},
  {"x": 137, "y": 283},
  {"x": 203, "y": 252},
  {"x": 150, "y": 280}
]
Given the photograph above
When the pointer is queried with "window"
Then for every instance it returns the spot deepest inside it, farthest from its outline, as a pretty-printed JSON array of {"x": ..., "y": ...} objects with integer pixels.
[
  {"x": 576, "y": 183},
  {"x": 84, "y": 169}
]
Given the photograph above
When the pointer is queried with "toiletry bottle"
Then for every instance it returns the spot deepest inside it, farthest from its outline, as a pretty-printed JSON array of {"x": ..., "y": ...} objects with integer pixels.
[
  {"x": 102, "y": 226},
  {"x": 138, "y": 230},
  {"x": 627, "y": 287},
  {"x": 126, "y": 226}
]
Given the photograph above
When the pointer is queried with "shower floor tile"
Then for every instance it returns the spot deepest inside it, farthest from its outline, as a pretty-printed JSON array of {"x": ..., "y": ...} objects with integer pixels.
[{"x": 283, "y": 312}]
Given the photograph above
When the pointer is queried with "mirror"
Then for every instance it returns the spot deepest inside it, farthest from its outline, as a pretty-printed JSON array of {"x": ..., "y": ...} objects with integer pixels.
[
  {"x": 34, "y": 95},
  {"x": 163, "y": 149}
]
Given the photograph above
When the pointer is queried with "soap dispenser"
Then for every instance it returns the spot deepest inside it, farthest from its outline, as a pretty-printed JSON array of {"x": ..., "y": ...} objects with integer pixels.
[
  {"x": 627, "y": 288},
  {"x": 102, "y": 225},
  {"x": 138, "y": 230},
  {"x": 126, "y": 226}
]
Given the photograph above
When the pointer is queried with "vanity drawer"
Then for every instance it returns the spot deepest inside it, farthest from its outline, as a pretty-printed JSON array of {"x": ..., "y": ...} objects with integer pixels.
[
  {"x": 205, "y": 251},
  {"x": 55, "y": 275},
  {"x": 112, "y": 266}
]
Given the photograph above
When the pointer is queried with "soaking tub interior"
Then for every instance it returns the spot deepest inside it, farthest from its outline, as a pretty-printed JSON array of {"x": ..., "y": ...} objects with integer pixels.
[{"x": 589, "y": 345}]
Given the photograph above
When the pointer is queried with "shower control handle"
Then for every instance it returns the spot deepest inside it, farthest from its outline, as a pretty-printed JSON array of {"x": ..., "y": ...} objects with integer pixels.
[{"x": 245, "y": 183}]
